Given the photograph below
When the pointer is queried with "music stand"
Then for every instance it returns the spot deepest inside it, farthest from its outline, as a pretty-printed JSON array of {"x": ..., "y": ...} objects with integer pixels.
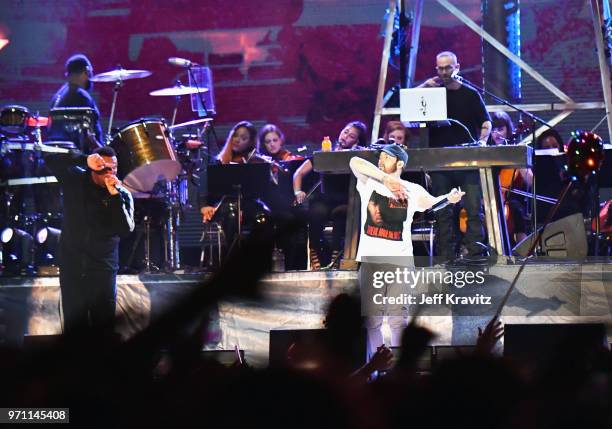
[
  {"x": 547, "y": 167},
  {"x": 241, "y": 180}
]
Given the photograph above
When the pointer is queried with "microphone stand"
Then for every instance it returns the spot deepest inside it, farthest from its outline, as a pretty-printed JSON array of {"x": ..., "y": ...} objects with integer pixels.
[
  {"x": 530, "y": 115},
  {"x": 201, "y": 98}
]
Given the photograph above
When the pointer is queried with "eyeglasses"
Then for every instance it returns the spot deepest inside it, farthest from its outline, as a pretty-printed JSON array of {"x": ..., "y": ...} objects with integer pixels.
[{"x": 445, "y": 68}]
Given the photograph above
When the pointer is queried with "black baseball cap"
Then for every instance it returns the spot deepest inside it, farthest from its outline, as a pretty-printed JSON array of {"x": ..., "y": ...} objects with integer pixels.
[
  {"x": 78, "y": 63},
  {"x": 396, "y": 151}
]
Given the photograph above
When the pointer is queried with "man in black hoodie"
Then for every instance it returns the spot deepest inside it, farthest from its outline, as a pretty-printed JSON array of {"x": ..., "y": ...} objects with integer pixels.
[{"x": 97, "y": 211}]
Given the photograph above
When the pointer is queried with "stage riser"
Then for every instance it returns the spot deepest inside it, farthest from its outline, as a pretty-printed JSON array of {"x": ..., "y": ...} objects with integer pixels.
[{"x": 546, "y": 294}]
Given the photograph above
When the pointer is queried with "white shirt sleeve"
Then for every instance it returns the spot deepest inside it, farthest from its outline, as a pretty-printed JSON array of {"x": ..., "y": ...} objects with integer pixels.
[
  {"x": 363, "y": 186},
  {"x": 421, "y": 199}
]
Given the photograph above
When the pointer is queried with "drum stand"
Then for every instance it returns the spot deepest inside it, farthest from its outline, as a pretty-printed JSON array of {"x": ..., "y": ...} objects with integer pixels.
[
  {"x": 213, "y": 235},
  {"x": 149, "y": 266},
  {"x": 173, "y": 221},
  {"x": 118, "y": 85}
]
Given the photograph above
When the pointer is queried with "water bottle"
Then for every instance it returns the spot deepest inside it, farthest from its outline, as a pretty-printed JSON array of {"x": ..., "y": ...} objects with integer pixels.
[{"x": 326, "y": 144}]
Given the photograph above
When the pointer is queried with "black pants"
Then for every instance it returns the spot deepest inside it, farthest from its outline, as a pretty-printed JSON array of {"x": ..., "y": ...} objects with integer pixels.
[
  {"x": 323, "y": 210},
  {"x": 88, "y": 298},
  {"x": 469, "y": 181}
]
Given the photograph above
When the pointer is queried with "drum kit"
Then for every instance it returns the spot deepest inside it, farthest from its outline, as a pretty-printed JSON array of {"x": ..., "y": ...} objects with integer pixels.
[{"x": 152, "y": 163}]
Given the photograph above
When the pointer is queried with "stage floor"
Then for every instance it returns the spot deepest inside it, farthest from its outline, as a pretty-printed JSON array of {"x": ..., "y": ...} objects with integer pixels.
[{"x": 546, "y": 293}]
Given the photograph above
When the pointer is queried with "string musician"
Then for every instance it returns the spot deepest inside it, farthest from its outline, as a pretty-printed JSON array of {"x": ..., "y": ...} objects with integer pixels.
[
  {"x": 241, "y": 145},
  {"x": 332, "y": 202},
  {"x": 245, "y": 146},
  {"x": 503, "y": 133},
  {"x": 279, "y": 193},
  {"x": 271, "y": 143}
]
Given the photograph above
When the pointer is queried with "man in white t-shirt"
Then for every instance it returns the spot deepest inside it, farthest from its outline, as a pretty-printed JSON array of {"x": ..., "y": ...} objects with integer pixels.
[{"x": 388, "y": 204}]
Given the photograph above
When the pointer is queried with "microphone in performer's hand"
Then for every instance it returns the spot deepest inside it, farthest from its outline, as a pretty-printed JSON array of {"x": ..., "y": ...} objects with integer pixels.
[{"x": 181, "y": 62}]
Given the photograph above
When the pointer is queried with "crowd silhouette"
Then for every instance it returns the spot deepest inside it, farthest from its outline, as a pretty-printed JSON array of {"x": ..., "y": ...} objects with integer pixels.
[{"x": 159, "y": 377}]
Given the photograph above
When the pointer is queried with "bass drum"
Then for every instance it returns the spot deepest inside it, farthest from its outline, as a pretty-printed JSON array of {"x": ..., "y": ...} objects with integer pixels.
[
  {"x": 145, "y": 154},
  {"x": 14, "y": 119}
]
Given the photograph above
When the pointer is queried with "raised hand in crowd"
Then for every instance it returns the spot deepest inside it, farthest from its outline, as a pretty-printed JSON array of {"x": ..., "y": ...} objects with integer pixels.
[{"x": 488, "y": 338}]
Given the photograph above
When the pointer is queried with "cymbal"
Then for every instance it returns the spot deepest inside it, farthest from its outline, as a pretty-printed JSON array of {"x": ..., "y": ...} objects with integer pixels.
[
  {"x": 177, "y": 90},
  {"x": 194, "y": 122},
  {"x": 120, "y": 74}
]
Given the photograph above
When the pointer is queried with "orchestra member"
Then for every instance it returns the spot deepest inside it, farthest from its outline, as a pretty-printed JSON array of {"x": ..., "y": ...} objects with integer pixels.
[
  {"x": 239, "y": 148},
  {"x": 271, "y": 142},
  {"x": 241, "y": 145},
  {"x": 332, "y": 202},
  {"x": 510, "y": 178},
  {"x": 550, "y": 139},
  {"x": 396, "y": 132}
]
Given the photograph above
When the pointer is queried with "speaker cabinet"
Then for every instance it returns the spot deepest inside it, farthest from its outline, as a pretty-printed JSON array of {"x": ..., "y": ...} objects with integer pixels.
[{"x": 564, "y": 238}]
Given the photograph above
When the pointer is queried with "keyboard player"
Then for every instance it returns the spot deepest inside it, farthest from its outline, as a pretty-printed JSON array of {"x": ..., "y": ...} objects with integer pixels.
[{"x": 464, "y": 105}]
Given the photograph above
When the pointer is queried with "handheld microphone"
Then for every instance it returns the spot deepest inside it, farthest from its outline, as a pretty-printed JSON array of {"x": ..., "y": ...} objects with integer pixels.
[
  {"x": 181, "y": 62},
  {"x": 457, "y": 77}
]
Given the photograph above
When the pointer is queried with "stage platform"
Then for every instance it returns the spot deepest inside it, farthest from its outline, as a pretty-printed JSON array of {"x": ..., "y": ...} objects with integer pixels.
[{"x": 546, "y": 293}]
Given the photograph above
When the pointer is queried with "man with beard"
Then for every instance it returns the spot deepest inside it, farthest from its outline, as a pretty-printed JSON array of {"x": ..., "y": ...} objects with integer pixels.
[
  {"x": 464, "y": 105},
  {"x": 388, "y": 204}
]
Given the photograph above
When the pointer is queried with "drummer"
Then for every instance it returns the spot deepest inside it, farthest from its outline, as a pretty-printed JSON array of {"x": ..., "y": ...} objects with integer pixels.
[{"x": 75, "y": 93}]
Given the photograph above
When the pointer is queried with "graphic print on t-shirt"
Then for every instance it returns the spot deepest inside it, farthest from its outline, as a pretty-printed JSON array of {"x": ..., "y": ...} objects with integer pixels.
[{"x": 386, "y": 217}]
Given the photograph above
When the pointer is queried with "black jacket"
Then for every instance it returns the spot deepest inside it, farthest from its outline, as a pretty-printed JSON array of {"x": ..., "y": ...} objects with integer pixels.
[{"x": 93, "y": 219}]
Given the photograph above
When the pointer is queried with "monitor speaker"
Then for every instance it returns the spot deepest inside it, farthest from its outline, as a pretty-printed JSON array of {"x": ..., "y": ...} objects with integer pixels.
[
  {"x": 564, "y": 238},
  {"x": 541, "y": 342}
]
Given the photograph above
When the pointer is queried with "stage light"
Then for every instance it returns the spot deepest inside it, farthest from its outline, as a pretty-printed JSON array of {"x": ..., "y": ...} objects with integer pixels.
[
  {"x": 585, "y": 155},
  {"x": 3, "y": 43},
  {"x": 17, "y": 251},
  {"x": 6, "y": 235},
  {"x": 47, "y": 239}
]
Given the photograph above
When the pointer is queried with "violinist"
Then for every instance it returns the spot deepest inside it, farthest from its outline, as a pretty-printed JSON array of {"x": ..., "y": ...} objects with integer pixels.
[
  {"x": 509, "y": 178},
  {"x": 279, "y": 197},
  {"x": 241, "y": 145},
  {"x": 396, "y": 132},
  {"x": 332, "y": 203},
  {"x": 271, "y": 142},
  {"x": 239, "y": 148}
]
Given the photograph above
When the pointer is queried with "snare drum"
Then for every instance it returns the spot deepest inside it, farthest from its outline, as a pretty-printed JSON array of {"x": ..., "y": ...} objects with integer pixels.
[
  {"x": 145, "y": 154},
  {"x": 14, "y": 119}
]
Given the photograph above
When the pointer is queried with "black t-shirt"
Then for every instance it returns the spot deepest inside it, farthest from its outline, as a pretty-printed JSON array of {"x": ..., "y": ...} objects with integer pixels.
[{"x": 466, "y": 106}]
